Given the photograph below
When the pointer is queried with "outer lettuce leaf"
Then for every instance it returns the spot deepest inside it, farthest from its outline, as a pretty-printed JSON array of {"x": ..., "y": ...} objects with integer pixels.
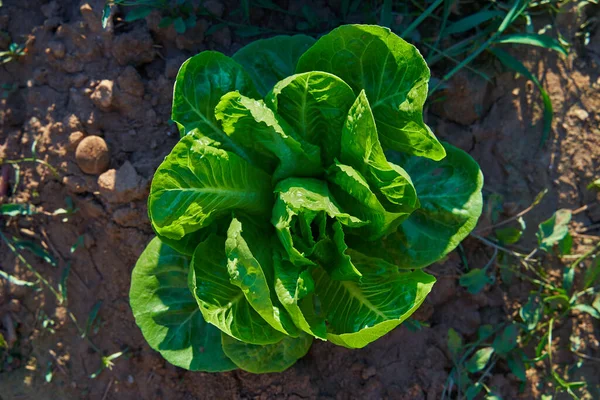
[
  {"x": 295, "y": 289},
  {"x": 360, "y": 313},
  {"x": 315, "y": 104},
  {"x": 353, "y": 193},
  {"x": 361, "y": 150},
  {"x": 266, "y": 138},
  {"x": 197, "y": 183},
  {"x": 222, "y": 303},
  {"x": 201, "y": 82},
  {"x": 168, "y": 315},
  {"x": 268, "y": 61},
  {"x": 393, "y": 74},
  {"x": 275, "y": 357},
  {"x": 250, "y": 267},
  {"x": 451, "y": 203}
]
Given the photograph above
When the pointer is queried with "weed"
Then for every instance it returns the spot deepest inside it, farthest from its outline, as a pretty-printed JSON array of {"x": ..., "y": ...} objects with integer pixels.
[
  {"x": 527, "y": 340},
  {"x": 14, "y": 52}
]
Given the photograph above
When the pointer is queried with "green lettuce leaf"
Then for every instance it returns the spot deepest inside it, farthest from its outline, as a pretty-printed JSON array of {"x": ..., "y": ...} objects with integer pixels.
[
  {"x": 268, "y": 61},
  {"x": 221, "y": 302},
  {"x": 295, "y": 289},
  {"x": 201, "y": 82},
  {"x": 353, "y": 193},
  {"x": 168, "y": 315},
  {"x": 361, "y": 150},
  {"x": 451, "y": 203},
  {"x": 267, "y": 139},
  {"x": 197, "y": 183},
  {"x": 359, "y": 313},
  {"x": 315, "y": 104},
  {"x": 275, "y": 357},
  {"x": 250, "y": 267},
  {"x": 299, "y": 202},
  {"x": 394, "y": 76}
]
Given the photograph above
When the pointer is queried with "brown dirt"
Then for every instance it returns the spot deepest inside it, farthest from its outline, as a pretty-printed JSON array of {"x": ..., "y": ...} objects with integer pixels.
[{"x": 117, "y": 84}]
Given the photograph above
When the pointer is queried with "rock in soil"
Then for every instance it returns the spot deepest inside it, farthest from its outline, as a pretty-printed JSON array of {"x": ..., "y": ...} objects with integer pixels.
[
  {"x": 122, "y": 185},
  {"x": 92, "y": 155}
]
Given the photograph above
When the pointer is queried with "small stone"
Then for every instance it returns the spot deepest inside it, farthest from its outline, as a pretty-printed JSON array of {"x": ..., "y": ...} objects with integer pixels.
[
  {"x": 581, "y": 114},
  {"x": 57, "y": 49},
  {"x": 92, "y": 155},
  {"x": 122, "y": 185},
  {"x": 102, "y": 96},
  {"x": 74, "y": 139},
  {"x": 214, "y": 7}
]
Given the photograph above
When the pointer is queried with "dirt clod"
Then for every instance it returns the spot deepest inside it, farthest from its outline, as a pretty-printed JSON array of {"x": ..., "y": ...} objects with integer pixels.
[
  {"x": 102, "y": 96},
  {"x": 92, "y": 155},
  {"x": 122, "y": 185},
  {"x": 74, "y": 139},
  {"x": 57, "y": 49},
  {"x": 131, "y": 82},
  {"x": 135, "y": 47},
  {"x": 471, "y": 98}
]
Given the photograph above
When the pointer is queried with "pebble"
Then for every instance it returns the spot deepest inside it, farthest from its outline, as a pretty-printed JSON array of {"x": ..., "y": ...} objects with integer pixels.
[
  {"x": 581, "y": 114},
  {"x": 92, "y": 155}
]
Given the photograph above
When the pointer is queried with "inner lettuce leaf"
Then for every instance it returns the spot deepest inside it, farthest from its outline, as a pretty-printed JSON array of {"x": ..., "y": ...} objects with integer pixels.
[
  {"x": 302, "y": 201},
  {"x": 267, "y": 138},
  {"x": 361, "y": 150},
  {"x": 316, "y": 105},
  {"x": 303, "y": 210}
]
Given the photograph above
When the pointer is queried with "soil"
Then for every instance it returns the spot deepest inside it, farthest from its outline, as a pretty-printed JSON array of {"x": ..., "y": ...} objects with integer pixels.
[{"x": 79, "y": 80}]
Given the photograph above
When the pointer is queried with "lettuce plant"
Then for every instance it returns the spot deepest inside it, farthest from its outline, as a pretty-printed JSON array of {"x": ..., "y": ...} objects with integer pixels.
[{"x": 303, "y": 201}]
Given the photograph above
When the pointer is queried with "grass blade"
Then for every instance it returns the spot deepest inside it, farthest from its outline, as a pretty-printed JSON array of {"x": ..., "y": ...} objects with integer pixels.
[
  {"x": 386, "y": 13},
  {"x": 421, "y": 17},
  {"x": 516, "y": 65},
  {"x": 14, "y": 280},
  {"x": 517, "y": 9},
  {"x": 35, "y": 249},
  {"x": 91, "y": 318},
  {"x": 533, "y": 39},
  {"x": 472, "y": 21}
]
